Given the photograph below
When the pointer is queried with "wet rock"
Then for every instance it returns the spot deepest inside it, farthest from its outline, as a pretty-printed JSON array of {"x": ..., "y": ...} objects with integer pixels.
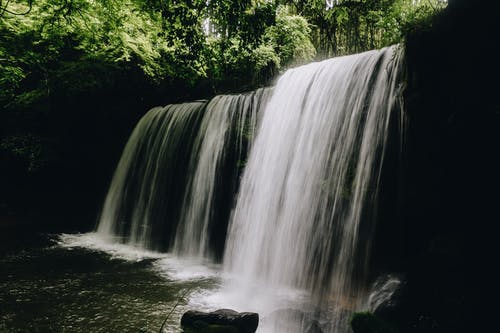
[
  {"x": 223, "y": 320},
  {"x": 388, "y": 293}
]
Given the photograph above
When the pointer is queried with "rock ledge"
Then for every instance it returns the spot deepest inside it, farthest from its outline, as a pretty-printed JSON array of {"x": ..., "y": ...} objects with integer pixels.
[{"x": 223, "y": 320}]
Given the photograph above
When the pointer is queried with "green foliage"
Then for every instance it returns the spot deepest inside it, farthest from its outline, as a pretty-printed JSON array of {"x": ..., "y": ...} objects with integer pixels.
[
  {"x": 10, "y": 80},
  {"x": 359, "y": 25},
  {"x": 266, "y": 62},
  {"x": 51, "y": 51},
  {"x": 251, "y": 50},
  {"x": 66, "y": 47},
  {"x": 289, "y": 37},
  {"x": 230, "y": 62},
  {"x": 181, "y": 31},
  {"x": 226, "y": 15},
  {"x": 418, "y": 17},
  {"x": 114, "y": 31},
  {"x": 60, "y": 40},
  {"x": 30, "y": 149},
  {"x": 161, "y": 44}
]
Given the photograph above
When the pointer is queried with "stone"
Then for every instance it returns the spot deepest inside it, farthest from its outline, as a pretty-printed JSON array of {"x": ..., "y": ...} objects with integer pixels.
[{"x": 223, "y": 320}]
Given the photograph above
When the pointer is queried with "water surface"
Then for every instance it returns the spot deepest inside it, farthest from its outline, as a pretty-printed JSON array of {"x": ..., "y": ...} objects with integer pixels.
[{"x": 65, "y": 283}]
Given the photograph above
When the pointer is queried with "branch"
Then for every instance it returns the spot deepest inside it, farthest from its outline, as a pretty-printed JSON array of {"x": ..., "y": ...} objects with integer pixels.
[
  {"x": 5, "y": 10},
  {"x": 432, "y": 6},
  {"x": 171, "y": 311}
]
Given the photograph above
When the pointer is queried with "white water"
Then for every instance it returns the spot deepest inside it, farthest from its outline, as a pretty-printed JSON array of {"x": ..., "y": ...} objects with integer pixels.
[
  {"x": 210, "y": 284},
  {"x": 228, "y": 119},
  {"x": 116, "y": 250},
  {"x": 174, "y": 185},
  {"x": 143, "y": 193},
  {"x": 300, "y": 234},
  {"x": 306, "y": 206}
]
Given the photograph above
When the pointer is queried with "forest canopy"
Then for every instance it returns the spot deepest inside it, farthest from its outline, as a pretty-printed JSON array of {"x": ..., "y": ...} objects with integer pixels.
[
  {"x": 219, "y": 40},
  {"x": 71, "y": 70},
  {"x": 82, "y": 58},
  {"x": 99, "y": 55}
]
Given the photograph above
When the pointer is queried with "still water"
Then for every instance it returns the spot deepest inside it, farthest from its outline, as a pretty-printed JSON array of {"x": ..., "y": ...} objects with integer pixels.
[
  {"x": 76, "y": 283},
  {"x": 82, "y": 283}
]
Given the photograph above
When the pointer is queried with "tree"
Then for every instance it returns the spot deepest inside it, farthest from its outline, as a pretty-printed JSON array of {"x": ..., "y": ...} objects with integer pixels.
[{"x": 350, "y": 26}]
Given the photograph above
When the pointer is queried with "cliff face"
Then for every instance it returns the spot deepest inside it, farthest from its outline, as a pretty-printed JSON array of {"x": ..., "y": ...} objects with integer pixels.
[{"x": 451, "y": 167}]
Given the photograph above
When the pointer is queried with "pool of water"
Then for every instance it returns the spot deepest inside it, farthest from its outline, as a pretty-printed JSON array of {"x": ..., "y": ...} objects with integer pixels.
[
  {"x": 75, "y": 283},
  {"x": 81, "y": 283}
]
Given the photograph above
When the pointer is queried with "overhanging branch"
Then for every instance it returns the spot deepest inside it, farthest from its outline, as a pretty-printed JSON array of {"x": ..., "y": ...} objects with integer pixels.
[{"x": 4, "y": 9}]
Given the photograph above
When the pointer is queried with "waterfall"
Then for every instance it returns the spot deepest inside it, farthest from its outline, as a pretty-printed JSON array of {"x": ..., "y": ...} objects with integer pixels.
[
  {"x": 283, "y": 183},
  {"x": 174, "y": 186},
  {"x": 142, "y": 203},
  {"x": 306, "y": 207},
  {"x": 223, "y": 140}
]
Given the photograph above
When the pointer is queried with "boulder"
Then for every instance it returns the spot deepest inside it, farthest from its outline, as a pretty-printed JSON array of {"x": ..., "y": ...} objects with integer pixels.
[
  {"x": 223, "y": 320},
  {"x": 388, "y": 293}
]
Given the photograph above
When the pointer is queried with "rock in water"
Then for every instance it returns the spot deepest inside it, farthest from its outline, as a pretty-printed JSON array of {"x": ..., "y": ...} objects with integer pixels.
[{"x": 224, "y": 320}]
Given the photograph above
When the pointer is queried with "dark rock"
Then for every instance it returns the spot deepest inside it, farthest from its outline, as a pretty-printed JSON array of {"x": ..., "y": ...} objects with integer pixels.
[
  {"x": 223, "y": 320},
  {"x": 366, "y": 322},
  {"x": 388, "y": 293}
]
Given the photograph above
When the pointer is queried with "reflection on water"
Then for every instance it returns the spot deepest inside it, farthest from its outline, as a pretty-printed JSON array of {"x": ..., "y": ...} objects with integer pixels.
[
  {"x": 55, "y": 285},
  {"x": 84, "y": 283}
]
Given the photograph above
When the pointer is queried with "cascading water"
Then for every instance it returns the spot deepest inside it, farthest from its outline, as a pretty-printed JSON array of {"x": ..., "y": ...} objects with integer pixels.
[
  {"x": 222, "y": 143},
  {"x": 189, "y": 151},
  {"x": 306, "y": 207},
  {"x": 150, "y": 177}
]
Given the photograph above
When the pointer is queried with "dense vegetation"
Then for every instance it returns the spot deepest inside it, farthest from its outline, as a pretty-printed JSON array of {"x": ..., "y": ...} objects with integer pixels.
[
  {"x": 48, "y": 43},
  {"x": 70, "y": 70}
]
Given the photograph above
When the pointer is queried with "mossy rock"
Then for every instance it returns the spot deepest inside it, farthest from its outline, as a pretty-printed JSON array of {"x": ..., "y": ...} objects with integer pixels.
[{"x": 220, "y": 321}]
